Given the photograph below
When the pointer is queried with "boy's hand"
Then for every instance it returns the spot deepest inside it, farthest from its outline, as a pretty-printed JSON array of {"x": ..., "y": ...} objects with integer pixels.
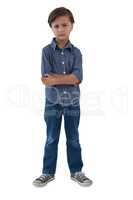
[{"x": 48, "y": 80}]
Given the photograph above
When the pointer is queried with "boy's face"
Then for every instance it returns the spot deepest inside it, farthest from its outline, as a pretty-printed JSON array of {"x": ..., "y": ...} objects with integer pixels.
[{"x": 62, "y": 27}]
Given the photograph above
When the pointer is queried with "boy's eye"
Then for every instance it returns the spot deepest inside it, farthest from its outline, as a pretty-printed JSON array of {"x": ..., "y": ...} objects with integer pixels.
[
  {"x": 64, "y": 25},
  {"x": 56, "y": 26}
]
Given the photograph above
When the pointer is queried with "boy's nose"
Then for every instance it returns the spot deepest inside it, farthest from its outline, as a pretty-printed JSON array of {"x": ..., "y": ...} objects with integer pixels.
[{"x": 60, "y": 29}]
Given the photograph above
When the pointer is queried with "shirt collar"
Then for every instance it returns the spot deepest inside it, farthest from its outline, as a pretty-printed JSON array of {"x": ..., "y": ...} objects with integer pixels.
[{"x": 54, "y": 44}]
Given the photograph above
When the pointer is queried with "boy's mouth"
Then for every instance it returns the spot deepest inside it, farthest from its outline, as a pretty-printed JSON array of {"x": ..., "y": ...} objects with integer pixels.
[{"x": 61, "y": 35}]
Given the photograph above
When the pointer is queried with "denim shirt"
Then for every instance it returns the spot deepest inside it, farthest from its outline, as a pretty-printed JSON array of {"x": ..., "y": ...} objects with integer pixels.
[{"x": 62, "y": 61}]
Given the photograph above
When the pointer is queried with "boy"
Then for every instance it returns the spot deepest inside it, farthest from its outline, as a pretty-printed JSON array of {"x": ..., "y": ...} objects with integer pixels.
[{"x": 61, "y": 70}]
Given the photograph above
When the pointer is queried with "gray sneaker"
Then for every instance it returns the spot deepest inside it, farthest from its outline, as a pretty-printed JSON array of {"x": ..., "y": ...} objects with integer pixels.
[
  {"x": 43, "y": 180},
  {"x": 81, "y": 179}
]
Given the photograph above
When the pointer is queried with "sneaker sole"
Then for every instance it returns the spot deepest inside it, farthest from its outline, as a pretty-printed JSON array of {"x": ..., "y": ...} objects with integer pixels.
[
  {"x": 82, "y": 184},
  {"x": 42, "y": 184}
]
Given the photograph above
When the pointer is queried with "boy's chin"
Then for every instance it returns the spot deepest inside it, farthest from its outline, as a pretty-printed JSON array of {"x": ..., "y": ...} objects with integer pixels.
[{"x": 62, "y": 38}]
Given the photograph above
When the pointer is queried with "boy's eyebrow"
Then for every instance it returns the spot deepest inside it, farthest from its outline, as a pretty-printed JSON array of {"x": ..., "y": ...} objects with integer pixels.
[{"x": 61, "y": 24}]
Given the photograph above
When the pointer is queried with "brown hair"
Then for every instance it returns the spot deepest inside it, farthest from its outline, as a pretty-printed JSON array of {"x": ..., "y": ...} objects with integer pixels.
[{"x": 61, "y": 11}]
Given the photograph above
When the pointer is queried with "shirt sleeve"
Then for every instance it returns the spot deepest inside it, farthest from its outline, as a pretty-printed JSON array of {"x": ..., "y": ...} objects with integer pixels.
[
  {"x": 46, "y": 67},
  {"x": 77, "y": 68}
]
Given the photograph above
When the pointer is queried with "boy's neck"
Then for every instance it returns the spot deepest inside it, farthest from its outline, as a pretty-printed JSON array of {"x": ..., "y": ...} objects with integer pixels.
[{"x": 62, "y": 43}]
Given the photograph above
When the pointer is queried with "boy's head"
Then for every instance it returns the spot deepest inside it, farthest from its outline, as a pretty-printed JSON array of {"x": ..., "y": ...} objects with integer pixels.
[{"x": 61, "y": 21}]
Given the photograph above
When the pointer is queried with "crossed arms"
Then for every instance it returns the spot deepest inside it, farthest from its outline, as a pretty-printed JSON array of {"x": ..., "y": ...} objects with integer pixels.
[{"x": 59, "y": 79}]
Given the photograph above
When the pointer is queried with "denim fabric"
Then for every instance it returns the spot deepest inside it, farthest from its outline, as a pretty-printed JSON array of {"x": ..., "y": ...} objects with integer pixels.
[
  {"x": 62, "y": 61},
  {"x": 53, "y": 117}
]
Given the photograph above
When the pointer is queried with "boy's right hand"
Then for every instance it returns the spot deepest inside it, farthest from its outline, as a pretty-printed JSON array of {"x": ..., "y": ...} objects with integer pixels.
[{"x": 48, "y": 80}]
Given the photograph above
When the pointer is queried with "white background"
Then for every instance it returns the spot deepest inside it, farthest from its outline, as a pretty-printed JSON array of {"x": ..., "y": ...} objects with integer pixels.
[{"x": 104, "y": 32}]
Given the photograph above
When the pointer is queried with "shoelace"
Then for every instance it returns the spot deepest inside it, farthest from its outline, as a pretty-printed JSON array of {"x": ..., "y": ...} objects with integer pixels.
[
  {"x": 81, "y": 176},
  {"x": 43, "y": 177}
]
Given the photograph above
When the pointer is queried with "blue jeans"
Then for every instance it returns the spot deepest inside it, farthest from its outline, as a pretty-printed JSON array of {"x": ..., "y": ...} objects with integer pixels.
[{"x": 53, "y": 118}]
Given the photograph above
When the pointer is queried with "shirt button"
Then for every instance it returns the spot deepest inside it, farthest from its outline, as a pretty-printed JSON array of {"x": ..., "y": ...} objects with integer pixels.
[
  {"x": 64, "y": 72},
  {"x": 62, "y": 53},
  {"x": 63, "y": 62},
  {"x": 65, "y": 92}
]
